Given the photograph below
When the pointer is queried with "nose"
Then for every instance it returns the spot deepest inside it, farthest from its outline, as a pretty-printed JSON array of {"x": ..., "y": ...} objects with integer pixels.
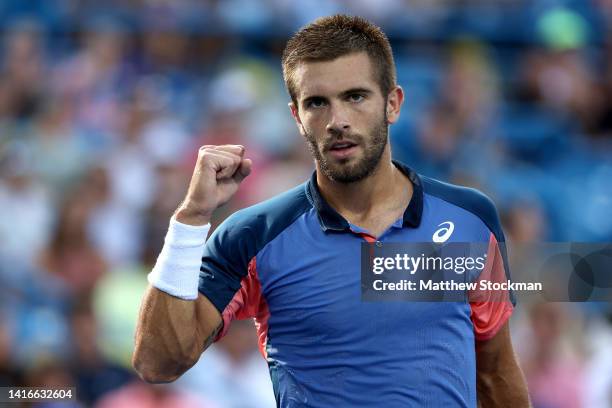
[{"x": 338, "y": 121}]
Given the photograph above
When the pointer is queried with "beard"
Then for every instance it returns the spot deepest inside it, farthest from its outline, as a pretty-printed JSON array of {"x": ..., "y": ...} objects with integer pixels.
[{"x": 342, "y": 171}]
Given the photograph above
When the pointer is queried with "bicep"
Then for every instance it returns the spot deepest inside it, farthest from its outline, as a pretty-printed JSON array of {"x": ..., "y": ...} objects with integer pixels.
[
  {"x": 495, "y": 351},
  {"x": 499, "y": 379},
  {"x": 171, "y": 334}
]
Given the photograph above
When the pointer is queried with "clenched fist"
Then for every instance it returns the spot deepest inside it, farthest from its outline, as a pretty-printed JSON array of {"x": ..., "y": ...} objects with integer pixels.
[{"x": 216, "y": 177}]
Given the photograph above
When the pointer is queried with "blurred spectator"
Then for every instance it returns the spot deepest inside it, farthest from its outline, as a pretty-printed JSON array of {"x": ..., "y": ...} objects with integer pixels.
[
  {"x": 93, "y": 375},
  {"x": 113, "y": 226},
  {"x": 524, "y": 221},
  {"x": 140, "y": 395},
  {"x": 276, "y": 176},
  {"x": 52, "y": 374},
  {"x": 564, "y": 82},
  {"x": 23, "y": 69},
  {"x": 115, "y": 304},
  {"x": 553, "y": 365},
  {"x": 171, "y": 189},
  {"x": 92, "y": 80},
  {"x": 71, "y": 255},
  {"x": 598, "y": 372},
  {"x": 9, "y": 375},
  {"x": 58, "y": 157},
  {"x": 470, "y": 88},
  {"x": 25, "y": 232},
  {"x": 602, "y": 121}
]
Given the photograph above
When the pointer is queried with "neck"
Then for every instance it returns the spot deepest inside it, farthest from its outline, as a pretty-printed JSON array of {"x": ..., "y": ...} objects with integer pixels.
[{"x": 359, "y": 199}]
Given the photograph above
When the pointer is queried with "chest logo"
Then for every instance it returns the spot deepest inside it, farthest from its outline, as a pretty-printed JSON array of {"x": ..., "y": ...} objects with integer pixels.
[{"x": 443, "y": 233}]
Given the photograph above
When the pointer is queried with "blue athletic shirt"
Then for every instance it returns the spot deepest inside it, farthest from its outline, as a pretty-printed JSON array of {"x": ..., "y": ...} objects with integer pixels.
[{"x": 293, "y": 264}]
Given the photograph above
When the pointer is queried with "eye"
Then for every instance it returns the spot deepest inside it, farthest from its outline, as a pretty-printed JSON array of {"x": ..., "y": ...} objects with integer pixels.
[
  {"x": 355, "y": 97},
  {"x": 315, "y": 103}
]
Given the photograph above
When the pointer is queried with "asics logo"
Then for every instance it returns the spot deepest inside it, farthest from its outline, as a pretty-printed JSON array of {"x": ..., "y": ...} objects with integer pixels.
[{"x": 444, "y": 233}]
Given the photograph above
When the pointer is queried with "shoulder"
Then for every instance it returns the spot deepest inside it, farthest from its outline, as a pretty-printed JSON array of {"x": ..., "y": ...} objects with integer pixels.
[{"x": 470, "y": 199}]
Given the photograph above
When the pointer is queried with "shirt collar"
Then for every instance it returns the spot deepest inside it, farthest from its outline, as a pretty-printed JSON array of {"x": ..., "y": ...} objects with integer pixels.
[{"x": 331, "y": 220}]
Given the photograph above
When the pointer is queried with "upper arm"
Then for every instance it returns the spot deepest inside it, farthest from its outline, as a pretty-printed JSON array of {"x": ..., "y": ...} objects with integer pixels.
[
  {"x": 228, "y": 283},
  {"x": 171, "y": 334},
  {"x": 209, "y": 320},
  {"x": 499, "y": 379},
  {"x": 491, "y": 354}
]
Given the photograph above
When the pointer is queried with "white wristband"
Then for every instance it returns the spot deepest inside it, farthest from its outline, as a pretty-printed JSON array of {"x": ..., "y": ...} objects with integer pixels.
[{"x": 177, "y": 269}]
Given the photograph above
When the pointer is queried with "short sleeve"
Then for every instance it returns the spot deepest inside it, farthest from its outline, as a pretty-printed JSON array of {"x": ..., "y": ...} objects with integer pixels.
[
  {"x": 491, "y": 308},
  {"x": 248, "y": 303},
  {"x": 225, "y": 262}
]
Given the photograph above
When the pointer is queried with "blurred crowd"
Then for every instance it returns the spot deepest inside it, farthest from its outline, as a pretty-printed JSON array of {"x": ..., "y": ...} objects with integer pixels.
[{"x": 104, "y": 104}]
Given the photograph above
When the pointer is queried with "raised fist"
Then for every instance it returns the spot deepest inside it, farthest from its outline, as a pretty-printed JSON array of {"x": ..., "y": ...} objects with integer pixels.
[{"x": 216, "y": 177}]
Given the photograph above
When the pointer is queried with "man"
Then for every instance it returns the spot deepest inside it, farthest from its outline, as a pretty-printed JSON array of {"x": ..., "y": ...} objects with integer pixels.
[{"x": 292, "y": 262}]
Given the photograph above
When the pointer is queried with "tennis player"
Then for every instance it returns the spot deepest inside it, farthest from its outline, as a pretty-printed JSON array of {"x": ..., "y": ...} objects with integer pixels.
[{"x": 293, "y": 262}]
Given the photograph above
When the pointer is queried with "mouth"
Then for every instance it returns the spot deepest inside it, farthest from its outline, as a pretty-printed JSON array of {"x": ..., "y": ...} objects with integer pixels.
[{"x": 343, "y": 149}]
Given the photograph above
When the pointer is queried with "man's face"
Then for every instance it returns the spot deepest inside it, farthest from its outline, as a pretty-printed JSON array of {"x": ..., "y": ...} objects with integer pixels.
[{"x": 343, "y": 115}]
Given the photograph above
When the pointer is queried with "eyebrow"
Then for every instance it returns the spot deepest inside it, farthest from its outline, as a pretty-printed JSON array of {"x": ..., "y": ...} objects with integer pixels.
[
  {"x": 345, "y": 93},
  {"x": 351, "y": 91}
]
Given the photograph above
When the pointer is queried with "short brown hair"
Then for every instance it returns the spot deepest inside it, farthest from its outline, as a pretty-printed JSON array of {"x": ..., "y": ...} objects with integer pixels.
[{"x": 328, "y": 38}]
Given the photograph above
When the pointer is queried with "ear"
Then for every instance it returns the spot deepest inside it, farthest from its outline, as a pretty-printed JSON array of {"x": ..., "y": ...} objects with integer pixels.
[
  {"x": 394, "y": 104},
  {"x": 296, "y": 116}
]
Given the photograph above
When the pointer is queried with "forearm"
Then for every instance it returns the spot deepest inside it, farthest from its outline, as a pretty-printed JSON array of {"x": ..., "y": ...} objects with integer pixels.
[{"x": 171, "y": 335}]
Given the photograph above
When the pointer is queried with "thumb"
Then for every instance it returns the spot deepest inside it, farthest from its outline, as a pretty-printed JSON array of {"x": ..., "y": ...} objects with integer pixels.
[{"x": 243, "y": 170}]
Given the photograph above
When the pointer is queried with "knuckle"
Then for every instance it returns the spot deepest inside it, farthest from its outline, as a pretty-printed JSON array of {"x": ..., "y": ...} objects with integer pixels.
[
  {"x": 231, "y": 148},
  {"x": 206, "y": 148},
  {"x": 205, "y": 151}
]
